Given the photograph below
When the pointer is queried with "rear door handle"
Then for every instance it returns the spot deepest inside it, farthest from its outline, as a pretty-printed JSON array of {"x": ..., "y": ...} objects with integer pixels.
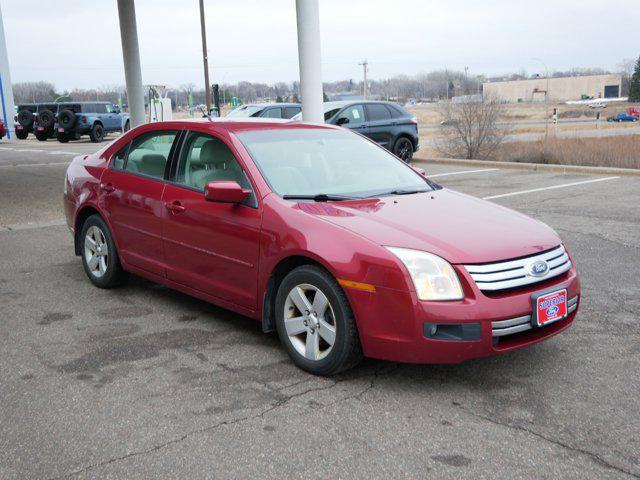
[
  {"x": 175, "y": 207},
  {"x": 107, "y": 187}
]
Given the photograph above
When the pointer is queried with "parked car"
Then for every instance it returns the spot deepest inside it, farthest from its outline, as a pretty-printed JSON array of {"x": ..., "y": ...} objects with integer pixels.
[
  {"x": 322, "y": 236},
  {"x": 634, "y": 111},
  {"x": 386, "y": 123},
  {"x": 44, "y": 123},
  {"x": 95, "y": 119},
  {"x": 24, "y": 119},
  {"x": 598, "y": 105},
  {"x": 266, "y": 110},
  {"x": 449, "y": 122},
  {"x": 622, "y": 117},
  {"x": 3, "y": 129}
]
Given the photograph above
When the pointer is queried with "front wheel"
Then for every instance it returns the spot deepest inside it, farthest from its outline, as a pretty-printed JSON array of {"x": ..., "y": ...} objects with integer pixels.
[
  {"x": 315, "y": 323},
  {"x": 99, "y": 256},
  {"x": 41, "y": 136},
  {"x": 97, "y": 133},
  {"x": 403, "y": 149}
]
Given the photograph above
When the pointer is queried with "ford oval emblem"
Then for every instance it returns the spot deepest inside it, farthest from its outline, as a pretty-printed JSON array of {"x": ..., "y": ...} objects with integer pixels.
[{"x": 538, "y": 268}]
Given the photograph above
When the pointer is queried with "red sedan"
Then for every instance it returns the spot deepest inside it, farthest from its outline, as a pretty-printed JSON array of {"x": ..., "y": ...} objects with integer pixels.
[{"x": 321, "y": 235}]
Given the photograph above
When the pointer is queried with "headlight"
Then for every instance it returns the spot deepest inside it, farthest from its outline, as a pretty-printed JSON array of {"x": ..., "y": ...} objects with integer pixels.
[{"x": 433, "y": 277}]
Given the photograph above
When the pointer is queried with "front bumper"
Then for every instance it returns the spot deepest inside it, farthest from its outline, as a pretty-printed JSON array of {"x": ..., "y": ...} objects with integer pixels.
[{"x": 394, "y": 325}]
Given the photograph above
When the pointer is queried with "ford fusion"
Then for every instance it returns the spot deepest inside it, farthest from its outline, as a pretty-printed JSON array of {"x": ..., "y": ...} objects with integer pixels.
[{"x": 322, "y": 236}]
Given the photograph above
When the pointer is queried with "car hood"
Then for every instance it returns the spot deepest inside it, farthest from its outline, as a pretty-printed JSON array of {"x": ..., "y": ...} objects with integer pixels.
[{"x": 455, "y": 226}]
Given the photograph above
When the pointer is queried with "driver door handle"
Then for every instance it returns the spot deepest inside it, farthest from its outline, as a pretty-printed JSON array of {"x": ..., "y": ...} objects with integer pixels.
[{"x": 175, "y": 207}]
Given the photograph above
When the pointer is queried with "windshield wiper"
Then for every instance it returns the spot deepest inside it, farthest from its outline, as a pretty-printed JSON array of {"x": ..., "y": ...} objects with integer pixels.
[
  {"x": 319, "y": 197},
  {"x": 396, "y": 192}
]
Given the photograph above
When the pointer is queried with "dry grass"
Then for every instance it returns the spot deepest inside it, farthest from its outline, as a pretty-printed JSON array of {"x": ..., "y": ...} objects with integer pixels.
[{"x": 622, "y": 152}]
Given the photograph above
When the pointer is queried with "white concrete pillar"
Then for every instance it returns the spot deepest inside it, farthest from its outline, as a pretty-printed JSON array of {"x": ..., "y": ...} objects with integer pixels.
[
  {"x": 309, "y": 60},
  {"x": 131, "y": 58},
  {"x": 6, "y": 93}
]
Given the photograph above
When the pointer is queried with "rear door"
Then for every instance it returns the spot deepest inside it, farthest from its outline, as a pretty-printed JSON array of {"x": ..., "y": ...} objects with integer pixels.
[
  {"x": 379, "y": 123},
  {"x": 131, "y": 191},
  {"x": 211, "y": 247}
]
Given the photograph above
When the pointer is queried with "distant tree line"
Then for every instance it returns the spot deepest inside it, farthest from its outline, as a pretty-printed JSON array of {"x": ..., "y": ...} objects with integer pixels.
[{"x": 436, "y": 85}]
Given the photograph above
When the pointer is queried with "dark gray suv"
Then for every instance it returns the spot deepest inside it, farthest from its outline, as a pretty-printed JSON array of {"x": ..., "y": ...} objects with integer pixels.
[{"x": 386, "y": 123}]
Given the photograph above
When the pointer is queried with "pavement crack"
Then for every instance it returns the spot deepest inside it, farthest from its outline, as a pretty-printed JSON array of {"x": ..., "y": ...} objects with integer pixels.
[{"x": 593, "y": 456}]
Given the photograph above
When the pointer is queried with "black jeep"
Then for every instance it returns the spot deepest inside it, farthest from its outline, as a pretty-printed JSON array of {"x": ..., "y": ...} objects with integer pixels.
[{"x": 25, "y": 119}]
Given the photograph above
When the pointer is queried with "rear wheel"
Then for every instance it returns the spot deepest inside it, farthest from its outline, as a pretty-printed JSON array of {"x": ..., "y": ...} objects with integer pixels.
[
  {"x": 41, "y": 136},
  {"x": 21, "y": 134},
  {"x": 63, "y": 137},
  {"x": 97, "y": 133},
  {"x": 99, "y": 256},
  {"x": 403, "y": 149},
  {"x": 315, "y": 322}
]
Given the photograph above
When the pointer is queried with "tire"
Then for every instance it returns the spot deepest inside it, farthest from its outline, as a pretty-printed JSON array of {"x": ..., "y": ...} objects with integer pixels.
[
  {"x": 99, "y": 255},
  {"x": 67, "y": 118},
  {"x": 25, "y": 118},
  {"x": 63, "y": 137},
  {"x": 46, "y": 119},
  {"x": 97, "y": 133},
  {"x": 403, "y": 149},
  {"x": 336, "y": 322},
  {"x": 21, "y": 134},
  {"x": 41, "y": 136}
]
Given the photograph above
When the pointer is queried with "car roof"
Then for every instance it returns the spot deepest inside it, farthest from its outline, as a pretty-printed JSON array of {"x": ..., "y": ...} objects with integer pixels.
[
  {"x": 246, "y": 124},
  {"x": 272, "y": 104}
]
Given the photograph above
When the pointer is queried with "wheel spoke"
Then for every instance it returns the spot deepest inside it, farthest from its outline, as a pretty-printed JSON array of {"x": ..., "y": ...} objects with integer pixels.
[
  {"x": 93, "y": 262},
  {"x": 90, "y": 243},
  {"x": 295, "y": 326},
  {"x": 312, "y": 347},
  {"x": 300, "y": 300},
  {"x": 320, "y": 303},
  {"x": 327, "y": 332},
  {"x": 103, "y": 265},
  {"x": 105, "y": 249}
]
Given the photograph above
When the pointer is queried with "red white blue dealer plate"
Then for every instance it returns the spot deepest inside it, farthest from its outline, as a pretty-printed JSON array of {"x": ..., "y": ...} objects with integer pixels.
[{"x": 550, "y": 307}]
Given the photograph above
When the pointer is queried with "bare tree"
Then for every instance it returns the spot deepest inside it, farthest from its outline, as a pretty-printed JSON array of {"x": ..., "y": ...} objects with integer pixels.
[{"x": 471, "y": 129}]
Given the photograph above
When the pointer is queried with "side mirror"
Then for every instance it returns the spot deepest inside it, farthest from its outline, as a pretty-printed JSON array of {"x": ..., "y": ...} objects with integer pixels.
[
  {"x": 342, "y": 121},
  {"x": 420, "y": 171},
  {"x": 225, "y": 191}
]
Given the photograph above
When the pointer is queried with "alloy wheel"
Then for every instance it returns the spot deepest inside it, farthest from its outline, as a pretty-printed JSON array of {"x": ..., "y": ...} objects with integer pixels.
[
  {"x": 96, "y": 251},
  {"x": 309, "y": 321}
]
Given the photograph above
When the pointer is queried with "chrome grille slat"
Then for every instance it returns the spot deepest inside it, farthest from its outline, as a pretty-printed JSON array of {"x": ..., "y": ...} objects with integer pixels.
[
  {"x": 513, "y": 273},
  {"x": 501, "y": 328}
]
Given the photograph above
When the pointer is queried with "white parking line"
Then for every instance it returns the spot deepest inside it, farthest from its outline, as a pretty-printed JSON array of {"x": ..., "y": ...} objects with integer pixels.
[
  {"x": 533, "y": 190},
  {"x": 463, "y": 172},
  {"x": 38, "y": 150},
  {"x": 29, "y": 226}
]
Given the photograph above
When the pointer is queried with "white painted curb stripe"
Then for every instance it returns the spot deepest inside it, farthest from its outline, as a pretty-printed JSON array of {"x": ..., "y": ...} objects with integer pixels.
[{"x": 522, "y": 192}]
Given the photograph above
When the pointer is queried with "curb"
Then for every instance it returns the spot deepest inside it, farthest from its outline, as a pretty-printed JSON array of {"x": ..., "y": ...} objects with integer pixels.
[{"x": 540, "y": 167}]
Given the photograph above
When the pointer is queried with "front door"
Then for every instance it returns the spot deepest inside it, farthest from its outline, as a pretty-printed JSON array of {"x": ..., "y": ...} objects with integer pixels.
[
  {"x": 131, "y": 190},
  {"x": 355, "y": 116},
  {"x": 211, "y": 247}
]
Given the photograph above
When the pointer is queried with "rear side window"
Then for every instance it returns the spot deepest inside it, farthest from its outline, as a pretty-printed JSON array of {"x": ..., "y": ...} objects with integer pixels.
[
  {"x": 100, "y": 108},
  {"x": 290, "y": 112},
  {"x": 396, "y": 111},
  {"x": 273, "y": 113},
  {"x": 376, "y": 112},
  {"x": 149, "y": 153}
]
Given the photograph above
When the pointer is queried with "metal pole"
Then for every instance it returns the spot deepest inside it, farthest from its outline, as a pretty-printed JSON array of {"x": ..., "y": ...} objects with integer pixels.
[
  {"x": 131, "y": 58},
  {"x": 6, "y": 92},
  {"x": 205, "y": 59},
  {"x": 308, "y": 19},
  {"x": 365, "y": 88}
]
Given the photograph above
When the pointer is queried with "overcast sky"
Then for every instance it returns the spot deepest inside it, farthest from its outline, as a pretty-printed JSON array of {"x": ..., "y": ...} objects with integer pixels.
[{"x": 76, "y": 43}]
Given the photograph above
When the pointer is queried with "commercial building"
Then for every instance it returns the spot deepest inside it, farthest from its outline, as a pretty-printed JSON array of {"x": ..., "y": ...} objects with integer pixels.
[{"x": 554, "y": 89}]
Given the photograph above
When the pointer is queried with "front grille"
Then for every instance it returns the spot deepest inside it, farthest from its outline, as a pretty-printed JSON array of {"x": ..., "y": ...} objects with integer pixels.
[
  {"x": 515, "y": 273},
  {"x": 501, "y": 328}
]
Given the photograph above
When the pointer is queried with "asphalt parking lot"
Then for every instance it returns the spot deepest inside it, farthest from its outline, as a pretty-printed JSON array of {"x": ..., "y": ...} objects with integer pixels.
[{"x": 145, "y": 382}]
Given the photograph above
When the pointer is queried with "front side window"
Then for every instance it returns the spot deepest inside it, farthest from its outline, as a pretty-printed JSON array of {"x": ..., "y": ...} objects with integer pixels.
[
  {"x": 108, "y": 108},
  {"x": 149, "y": 153},
  {"x": 273, "y": 113},
  {"x": 354, "y": 113},
  {"x": 99, "y": 108},
  {"x": 206, "y": 158},
  {"x": 311, "y": 162},
  {"x": 120, "y": 157}
]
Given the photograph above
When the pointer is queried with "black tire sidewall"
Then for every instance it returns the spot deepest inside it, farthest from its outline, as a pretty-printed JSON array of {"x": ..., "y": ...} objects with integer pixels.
[
  {"x": 21, "y": 134},
  {"x": 63, "y": 137},
  {"x": 66, "y": 118},
  {"x": 41, "y": 136},
  {"x": 26, "y": 123},
  {"x": 49, "y": 116},
  {"x": 97, "y": 133},
  {"x": 114, "y": 270},
  {"x": 341, "y": 354}
]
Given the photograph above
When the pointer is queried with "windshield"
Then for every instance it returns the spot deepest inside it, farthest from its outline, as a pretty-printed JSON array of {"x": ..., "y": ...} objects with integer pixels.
[
  {"x": 317, "y": 162},
  {"x": 245, "y": 111}
]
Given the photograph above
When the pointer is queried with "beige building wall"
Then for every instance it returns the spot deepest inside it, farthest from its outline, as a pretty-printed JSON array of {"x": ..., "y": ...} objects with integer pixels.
[{"x": 560, "y": 89}]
